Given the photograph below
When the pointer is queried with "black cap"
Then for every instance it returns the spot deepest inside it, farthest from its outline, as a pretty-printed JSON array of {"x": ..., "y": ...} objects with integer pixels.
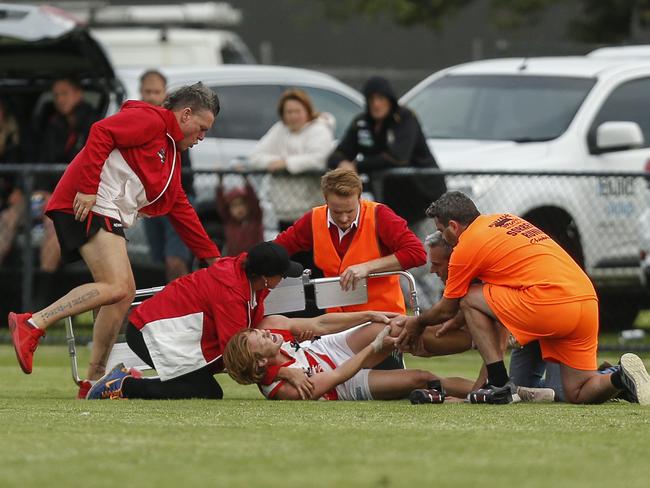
[{"x": 271, "y": 259}]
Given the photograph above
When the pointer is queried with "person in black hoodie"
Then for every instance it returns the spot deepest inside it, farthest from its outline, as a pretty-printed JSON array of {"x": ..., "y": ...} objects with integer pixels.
[{"x": 388, "y": 136}]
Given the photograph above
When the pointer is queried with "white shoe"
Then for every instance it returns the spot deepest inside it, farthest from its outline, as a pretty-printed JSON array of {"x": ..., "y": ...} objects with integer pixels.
[
  {"x": 635, "y": 377},
  {"x": 536, "y": 395}
]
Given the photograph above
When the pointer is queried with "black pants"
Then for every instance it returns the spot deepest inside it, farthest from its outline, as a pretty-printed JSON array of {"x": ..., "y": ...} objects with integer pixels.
[{"x": 197, "y": 384}]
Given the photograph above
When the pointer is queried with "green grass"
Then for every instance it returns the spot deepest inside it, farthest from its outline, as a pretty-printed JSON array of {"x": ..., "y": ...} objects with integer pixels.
[
  {"x": 49, "y": 439},
  {"x": 643, "y": 320}
]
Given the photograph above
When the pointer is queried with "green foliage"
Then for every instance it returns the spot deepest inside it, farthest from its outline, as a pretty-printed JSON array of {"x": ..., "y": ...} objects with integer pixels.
[
  {"x": 609, "y": 21},
  {"x": 515, "y": 14},
  {"x": 430, "y": 13},
  {"x": 599, "y": 21}
]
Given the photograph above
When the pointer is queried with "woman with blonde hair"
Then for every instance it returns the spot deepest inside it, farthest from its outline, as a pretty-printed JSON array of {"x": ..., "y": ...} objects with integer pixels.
[{"x": 299, "y": 142}]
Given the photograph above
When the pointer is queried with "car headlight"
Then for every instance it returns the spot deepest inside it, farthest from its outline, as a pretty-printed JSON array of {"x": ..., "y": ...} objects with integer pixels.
[{"x": 474, "y": 186}]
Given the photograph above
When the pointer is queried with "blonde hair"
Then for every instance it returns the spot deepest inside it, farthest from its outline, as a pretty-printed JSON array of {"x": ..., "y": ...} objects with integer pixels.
[
  {"x": 300, "y": 97},
  {"x": 342, "y": 182},
  {"x": 240, "y": 361}
]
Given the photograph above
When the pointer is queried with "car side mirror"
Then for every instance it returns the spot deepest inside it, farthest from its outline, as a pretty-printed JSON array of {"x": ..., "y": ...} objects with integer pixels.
[{"x": 618, "y": 136}]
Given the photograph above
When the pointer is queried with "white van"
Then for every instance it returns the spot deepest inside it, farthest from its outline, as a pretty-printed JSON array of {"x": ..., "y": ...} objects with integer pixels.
[
  {"x": 183, "y": 34},
  {"x": 174, "y": 46},
  {"x": 555, "y": 114}
]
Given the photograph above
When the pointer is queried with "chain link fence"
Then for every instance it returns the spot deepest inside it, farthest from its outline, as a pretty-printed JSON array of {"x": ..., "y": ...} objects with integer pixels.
[{"x": 599, "y": 218}]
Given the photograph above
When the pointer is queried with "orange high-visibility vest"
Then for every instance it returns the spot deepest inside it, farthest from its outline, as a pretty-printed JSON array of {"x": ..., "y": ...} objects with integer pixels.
[{"x": 384, "y": 294}]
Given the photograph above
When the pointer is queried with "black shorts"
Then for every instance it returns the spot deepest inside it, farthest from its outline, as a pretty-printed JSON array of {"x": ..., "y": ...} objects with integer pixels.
[{"x": 73, "y": 234}]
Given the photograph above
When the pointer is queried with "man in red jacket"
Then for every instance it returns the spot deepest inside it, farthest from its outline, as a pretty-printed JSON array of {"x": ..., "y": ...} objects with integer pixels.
[
  {"x": 182, "y": 331},
  {"x": 352, "y": 238},
  {"x": 130, "y": 165}
]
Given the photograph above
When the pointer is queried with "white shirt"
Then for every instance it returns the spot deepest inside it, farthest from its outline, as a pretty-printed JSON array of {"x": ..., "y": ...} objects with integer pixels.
[
  {"x": 342, "y": 232},
  {"x": 304, "y": 150}
]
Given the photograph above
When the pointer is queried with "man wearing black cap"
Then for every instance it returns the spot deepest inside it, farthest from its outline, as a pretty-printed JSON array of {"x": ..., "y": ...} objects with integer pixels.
[
  {"x": 182, "y": 331},
  {"x": 388, "y": 136}
]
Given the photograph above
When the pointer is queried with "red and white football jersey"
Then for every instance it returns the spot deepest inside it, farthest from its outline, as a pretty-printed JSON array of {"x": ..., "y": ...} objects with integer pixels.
[{"x": 298, "y": 356}]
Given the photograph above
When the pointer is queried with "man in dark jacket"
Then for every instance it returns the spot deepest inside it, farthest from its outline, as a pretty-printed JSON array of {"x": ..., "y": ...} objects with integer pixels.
[
  {"x": 61, "y": 138},
  {"x": 389, "y": 136},
  {"x": 67, "y": 129}
]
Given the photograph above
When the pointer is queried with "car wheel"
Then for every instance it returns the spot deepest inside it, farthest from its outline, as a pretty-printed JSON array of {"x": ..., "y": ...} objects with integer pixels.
[
  {"x": 618, "y": 310},
  {"x": 561, "y": 227}
]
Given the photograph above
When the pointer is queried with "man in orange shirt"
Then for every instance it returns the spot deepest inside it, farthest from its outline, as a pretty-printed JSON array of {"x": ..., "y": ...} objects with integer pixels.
[{"x": 535, "y": 289}]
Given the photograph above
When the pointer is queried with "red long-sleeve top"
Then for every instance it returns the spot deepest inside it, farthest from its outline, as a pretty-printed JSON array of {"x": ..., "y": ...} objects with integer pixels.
[{"x": 393, "y": 236}]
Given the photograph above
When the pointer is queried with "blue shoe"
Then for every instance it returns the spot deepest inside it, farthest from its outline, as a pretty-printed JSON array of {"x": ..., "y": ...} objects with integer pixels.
[{"x": 109, "y": 386}]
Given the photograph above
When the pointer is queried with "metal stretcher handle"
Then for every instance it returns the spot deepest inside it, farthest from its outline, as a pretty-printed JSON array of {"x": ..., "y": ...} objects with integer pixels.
[{"x": 413, "y": 293}]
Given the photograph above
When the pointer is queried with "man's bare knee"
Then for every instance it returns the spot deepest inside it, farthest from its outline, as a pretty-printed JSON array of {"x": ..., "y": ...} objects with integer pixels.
[
  {"x": 129, "y": 293},
  {"x": 576, "y": 385},
  {"x": 571, "y": 397},
  {"x": 122, "y": 292},
  {"x": 421, "y": 378}
]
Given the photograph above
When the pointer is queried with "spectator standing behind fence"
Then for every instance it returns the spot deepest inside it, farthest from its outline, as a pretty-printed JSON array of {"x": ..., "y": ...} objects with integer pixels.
[
  {"x": 165, "y": 245},
  {"x": 60, "y": 137},
  {"x": 241, "y": 215},
  {"x": 64, "y": 135},
  {"x": 352, "y": 238},
  {"x": 388, "y": 136},
  {"x": 299, "y": 142},
  {"x": 66, "y": 130},
  {"x": 129, "y": 165},
  {"x": 10, "y": 149},
  {"x": 11, "y": 198}
]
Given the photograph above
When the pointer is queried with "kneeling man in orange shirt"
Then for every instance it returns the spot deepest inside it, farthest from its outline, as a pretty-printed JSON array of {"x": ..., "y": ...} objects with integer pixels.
[{"x": 533, "y": 287}]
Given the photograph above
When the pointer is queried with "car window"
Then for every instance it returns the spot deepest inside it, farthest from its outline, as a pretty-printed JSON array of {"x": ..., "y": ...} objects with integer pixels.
[
  {"x": 499, "y": 107},
  {"x": 629, "y": 102},
  {"x": 231, "y": 55},
  {"x": 343, "y": 109},
  {"x": 247, "y": 111}
]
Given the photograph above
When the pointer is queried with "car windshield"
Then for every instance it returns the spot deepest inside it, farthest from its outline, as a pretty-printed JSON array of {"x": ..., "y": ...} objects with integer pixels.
[{"x": 519, "y": 108}]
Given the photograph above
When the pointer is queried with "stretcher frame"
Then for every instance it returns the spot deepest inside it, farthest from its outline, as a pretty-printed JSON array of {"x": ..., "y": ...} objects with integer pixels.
[{"x": 288, "y": 296}]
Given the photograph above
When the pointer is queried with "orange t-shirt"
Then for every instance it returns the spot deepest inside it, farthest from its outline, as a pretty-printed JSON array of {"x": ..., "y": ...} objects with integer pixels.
[{"x": 505, "y": 250}]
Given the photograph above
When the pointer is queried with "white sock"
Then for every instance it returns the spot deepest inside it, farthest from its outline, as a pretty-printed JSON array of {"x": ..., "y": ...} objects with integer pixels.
[{"x": 32, "y": 323}]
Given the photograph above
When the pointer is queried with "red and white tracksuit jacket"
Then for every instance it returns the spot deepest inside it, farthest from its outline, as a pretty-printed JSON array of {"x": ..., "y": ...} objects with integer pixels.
[
  {"x": 132, "y": 163},
  {"x": 187, "y": 325}
]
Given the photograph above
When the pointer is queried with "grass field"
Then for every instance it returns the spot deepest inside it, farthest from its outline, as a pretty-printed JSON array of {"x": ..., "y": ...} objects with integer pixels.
[{"x": 50, "y": 440}]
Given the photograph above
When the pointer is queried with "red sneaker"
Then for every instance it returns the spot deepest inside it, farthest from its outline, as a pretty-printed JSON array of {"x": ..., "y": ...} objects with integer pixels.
[
  {"x": 25, "y": 338},
  {"x": 84, "y": 386}
]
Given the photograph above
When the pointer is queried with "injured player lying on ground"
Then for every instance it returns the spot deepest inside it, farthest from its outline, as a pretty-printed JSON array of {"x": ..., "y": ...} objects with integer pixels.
[{"x": 334, "y": 362}]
